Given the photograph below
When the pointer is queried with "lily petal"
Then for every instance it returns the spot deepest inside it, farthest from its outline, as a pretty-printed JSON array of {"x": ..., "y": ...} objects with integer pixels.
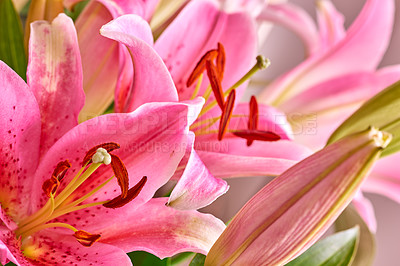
[
  {"x": 152, "y": 81},
  {"x": 196, "y": 188},
  {"x": 163, "y": 231},
  {"x": 100, "y": 60},
  {"x": 9, "y": 248},
  {"x": 64, "y": 249},
  {"x": 365, "y": 42},
  {"x": 153, "y": 140},
  {"x": 302, "y": 202},
  {"x": 295, "y": 19},
  {"x": 384, "y": 178},
  {"x": 230, "y": 166},
  {"x": 330, "y": 22},
  {"x": 366, "y": 210},
  {"x": 197, "y": 29},
  {"x": 20, "y": 136},
  {"x": 55, "y": 77}
]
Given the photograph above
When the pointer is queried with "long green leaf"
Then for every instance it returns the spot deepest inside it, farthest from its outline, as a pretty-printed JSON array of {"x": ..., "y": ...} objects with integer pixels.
[
  {"x": 381, "y": 111},
  {"x": 335, "y": 250},
  {"x": 12, "y": 50}
]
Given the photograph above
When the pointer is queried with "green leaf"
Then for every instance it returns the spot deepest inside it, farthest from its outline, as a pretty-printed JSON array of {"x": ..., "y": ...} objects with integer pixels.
[
  {"x": 12, "y": 50},
  {"x": 335, "y": 250},
  {"x": 198, "y": 260},
  {"x": 77, "y": 10},
  {"x": 144, "y": 258},
  {"x": 366, "y": 248},
  {"x": 381, "y": 111}
]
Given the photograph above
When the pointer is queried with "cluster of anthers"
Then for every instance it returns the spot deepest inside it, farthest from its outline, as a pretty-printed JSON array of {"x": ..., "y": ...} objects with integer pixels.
[
  {"x": 213, "y": 62},
  {"x": 65, "y": 201}
]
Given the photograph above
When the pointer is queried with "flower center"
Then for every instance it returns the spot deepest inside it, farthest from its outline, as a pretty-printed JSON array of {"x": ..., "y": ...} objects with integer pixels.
[
  {"x": 213, "y": 62},
  {"x": 65, "y": 201}
]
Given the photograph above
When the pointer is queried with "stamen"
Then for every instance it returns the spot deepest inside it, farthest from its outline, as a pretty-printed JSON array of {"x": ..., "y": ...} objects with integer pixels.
[
  {"x": 197, "y": 88},
  {"x": 61, "y": 169},
  {"x": 85, "y": 238},
  {"x": 110, "y": 146},
  {"x": 253, "y": 117},
  {"x": 221, "y": 58},
  {"x": 201, "y": 66},
  {"x": 226, "y": 115},
  {"x": 50, "y": 186},
  {"x": 215, "y": 83},
  {"x": 121, "y": 174},
  {"x": 132, "y": 194},
  {"x": 262, "y": 63},
  {"x": 257, "y": 135}
]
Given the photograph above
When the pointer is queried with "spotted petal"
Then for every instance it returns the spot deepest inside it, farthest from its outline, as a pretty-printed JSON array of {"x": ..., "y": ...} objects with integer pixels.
[
  {"x": 20, "y": 139},
  {"x": 55, "y": 77}
]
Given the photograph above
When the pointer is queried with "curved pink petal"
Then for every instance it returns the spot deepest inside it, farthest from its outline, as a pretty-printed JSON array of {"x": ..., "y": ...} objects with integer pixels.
[
  {"x": 366, "y": 210},
  {"x": 58, "y": 246},
  {"x": 364, "y": 44},
  {"x": 100, "y": 60},
  {"x": 20, "y": 139},
  {"x": 284, "y": 149},
  {"x": 153, "y": 140},
  {"x": 161, "y": 230},
  {"x": 326, "y": 105},
  {"x": 330, "y": 22},
  {"x": 384, "y": 178},
  {"x": 10, "y": 248},
  {"x": 55, "y": 77},
  {"x": 232, "y": 158},
  {"x": 223, "y": 165},
  {"x": 197, "y": 29},
  {"x": 197, "y": 187},
  {"x": 152, "y": 81},
  {"x": 296, "y": 20},
  {"x": 350, "y": 89}
]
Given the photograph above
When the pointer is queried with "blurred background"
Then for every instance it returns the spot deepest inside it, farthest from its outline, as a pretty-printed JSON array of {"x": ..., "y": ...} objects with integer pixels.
[{"x": 285, "y": 51}]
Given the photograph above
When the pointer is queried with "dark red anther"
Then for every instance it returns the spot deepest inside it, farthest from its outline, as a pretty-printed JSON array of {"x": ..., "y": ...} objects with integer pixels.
[
  {"x": 110, "y": 146},
  {"x": 85, "y": 238},
  {"x": 226, "y": 114},
  {"x": 257, "y": 135},
  {"x": 61, "y": 169},
  {"x": 201, "y": 66},
  {"x": 121, "y": 174},
  {"x": 132, "y": 194},
  {"x": 50, "y": 186},
  {"x": 253, "y": 117},
  {"x": 221, "y": 58},
  {"x": 215, "y": 83}
]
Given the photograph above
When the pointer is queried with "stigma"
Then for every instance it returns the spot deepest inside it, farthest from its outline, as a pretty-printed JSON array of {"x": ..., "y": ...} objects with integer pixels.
[{"x": 64, "y": 201}]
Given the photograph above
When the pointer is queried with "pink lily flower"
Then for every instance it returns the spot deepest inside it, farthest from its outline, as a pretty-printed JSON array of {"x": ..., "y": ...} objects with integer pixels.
[
  {"x": 327, "y": 84},
  {"x": 59, "y": 201},
  {"x": 339, "y": 74},
  {"x": 182, "y": 49},
  {"x": 290, "y": 213}
]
